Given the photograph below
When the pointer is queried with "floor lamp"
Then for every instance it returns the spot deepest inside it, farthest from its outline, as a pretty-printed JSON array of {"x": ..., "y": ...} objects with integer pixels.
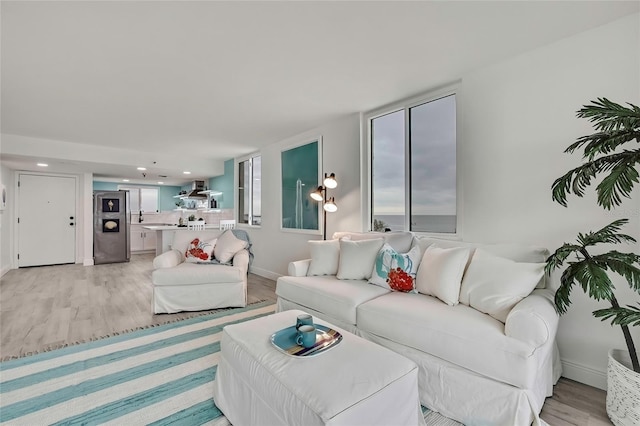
[{"x": 328, "y": 204}]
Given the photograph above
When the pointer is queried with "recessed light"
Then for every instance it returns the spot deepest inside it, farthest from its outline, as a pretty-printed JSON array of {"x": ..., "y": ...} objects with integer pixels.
[
  {"x": 187, "y": 173},
  {"x": 125, "y": 180},
  {"x": 43, "y": 165},
  {"x": 142, "y": 168},
  {"x": 160, "y": 183}
]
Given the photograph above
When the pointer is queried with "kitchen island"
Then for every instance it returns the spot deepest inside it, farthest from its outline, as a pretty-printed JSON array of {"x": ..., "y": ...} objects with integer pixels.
[{"x": 165, "y": 232}]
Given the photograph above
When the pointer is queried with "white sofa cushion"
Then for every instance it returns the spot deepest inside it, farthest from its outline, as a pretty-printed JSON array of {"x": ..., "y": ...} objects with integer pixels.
[
  {"x": 400, "y": 240},
  {"x": 513, "y": 251},
  {"x": 459, "y": 334},
  {"x": 329, "y": 295},
  {"x": 324, "y": 257},
  {"x": 395, "y": 271},
  {"x": 357, "y": 258},
  {"x": 494, "y": 285},
  {"x": 193, "y": 273},
  {"x": 440, "y": 273},
  {"x": 227, "y": 246}
]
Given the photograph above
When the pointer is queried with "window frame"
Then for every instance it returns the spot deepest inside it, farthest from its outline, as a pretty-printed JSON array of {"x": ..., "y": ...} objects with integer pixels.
[
  {"x": 139, "y": 187},
  {"x": 367, "y": 151},
  {"x": 239, "y": 220}
]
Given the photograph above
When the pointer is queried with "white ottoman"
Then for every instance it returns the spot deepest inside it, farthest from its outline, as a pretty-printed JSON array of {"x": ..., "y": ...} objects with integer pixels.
[{"x": 354, "y": 383}]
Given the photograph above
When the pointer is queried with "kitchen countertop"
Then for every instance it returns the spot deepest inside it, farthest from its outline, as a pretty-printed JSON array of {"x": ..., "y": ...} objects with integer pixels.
[{"x": 167, "y": 227}]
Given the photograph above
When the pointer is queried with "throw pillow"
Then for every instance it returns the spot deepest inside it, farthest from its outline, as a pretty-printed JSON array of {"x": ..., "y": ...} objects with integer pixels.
[
  {"x": 357, "y": 258},
  {"x": 227, "y": 246},
  {"x": 440, "y": 273},
  {"x": 494, "y": 285},
  {"x": 199, "y": 251},
  {"x": 324, "y": 257},
  {"x": 395, "y": 271}
]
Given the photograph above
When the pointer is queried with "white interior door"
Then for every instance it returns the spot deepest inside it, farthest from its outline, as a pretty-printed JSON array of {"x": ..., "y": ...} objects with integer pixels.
[{"x": 47, "y": 220}]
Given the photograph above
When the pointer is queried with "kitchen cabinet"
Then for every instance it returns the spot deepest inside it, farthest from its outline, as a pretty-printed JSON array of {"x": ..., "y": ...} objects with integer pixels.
[{"x": 142, "y": 239}]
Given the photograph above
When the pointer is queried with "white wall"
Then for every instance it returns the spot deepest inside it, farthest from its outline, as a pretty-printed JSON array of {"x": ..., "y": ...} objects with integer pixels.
[
  {"x": 6, "y": 221},
  {"x": 519, "y": 116},
  {"x": 274, "y": 248}
]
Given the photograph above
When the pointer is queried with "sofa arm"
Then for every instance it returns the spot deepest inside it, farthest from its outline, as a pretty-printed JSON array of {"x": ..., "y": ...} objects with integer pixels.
[
  {"x": 241, "y": 260},
  {"x": 299, "y": 268},
  {"x": 534, "y": 319},
  {"x": 168, "y": 259}
]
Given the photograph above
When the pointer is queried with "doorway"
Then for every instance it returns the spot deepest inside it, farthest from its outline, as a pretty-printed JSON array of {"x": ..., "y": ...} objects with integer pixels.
[{"x": 46, "y": 219}]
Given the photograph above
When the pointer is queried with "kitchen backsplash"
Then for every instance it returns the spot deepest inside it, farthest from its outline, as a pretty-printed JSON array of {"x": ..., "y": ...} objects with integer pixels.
[{"x": 173, "y": 217}]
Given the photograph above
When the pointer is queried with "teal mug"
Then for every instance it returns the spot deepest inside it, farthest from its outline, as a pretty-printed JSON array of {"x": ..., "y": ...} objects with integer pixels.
[
  {"x": 306, "y": 336},
  {"x": 303, "y": 319}
]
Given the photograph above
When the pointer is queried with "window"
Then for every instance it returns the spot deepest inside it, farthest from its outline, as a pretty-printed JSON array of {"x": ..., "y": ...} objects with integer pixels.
[
  {"x": 413, "y": 167},
  {"x": 142, "y": 198},
  {"x": 249, "y": 191}
]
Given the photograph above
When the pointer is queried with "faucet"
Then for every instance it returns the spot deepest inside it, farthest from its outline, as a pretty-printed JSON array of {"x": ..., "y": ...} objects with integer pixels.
[{"x": 140, "y": 217}]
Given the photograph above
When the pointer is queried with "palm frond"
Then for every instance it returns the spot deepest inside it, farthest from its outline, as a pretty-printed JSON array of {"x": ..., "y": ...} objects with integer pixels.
[
  {"x": 620, "y": 316},
  {"x": 619, "y": 183},
  {"x": 622, "y": 264},
  {"x": 607, "y": 115},
  {"x": 593, "y": 279},
  {"x": 559, "y": 256},
  {"x": 575, "y": 180},
  {"x": 609, "y": 234},
  {"x": 603, "y": 143}
]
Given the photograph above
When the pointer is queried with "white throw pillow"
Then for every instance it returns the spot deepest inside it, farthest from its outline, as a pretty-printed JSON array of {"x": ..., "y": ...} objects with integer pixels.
[
  {"x": 357, "y": 258},
  {"x": 324, "y": 257},
  {"x": 227, "y": 246},
  {"x": 494, "y": 285},
  {"x": 395, "y": 271},
  {"x": 199, "y": 251},
  {"x": 440, "y": 273}
]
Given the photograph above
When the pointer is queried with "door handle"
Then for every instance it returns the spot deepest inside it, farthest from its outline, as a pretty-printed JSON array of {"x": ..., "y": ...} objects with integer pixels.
[
  {"x": 70, "y": 217},
  {"x": 70, "y": 223}
]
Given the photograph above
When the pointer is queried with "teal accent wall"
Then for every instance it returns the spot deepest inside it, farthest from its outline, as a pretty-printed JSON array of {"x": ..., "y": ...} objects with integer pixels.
[
  {"x": 165, "y": 193},
  {"x": 224, "y": 184}
]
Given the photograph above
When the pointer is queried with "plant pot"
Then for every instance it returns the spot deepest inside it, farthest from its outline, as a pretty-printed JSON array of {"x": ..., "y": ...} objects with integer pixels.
[{"x": 623, "y": 390}]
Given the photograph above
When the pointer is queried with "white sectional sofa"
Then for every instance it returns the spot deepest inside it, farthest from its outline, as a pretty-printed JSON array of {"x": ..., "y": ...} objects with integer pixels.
[{"x": 474, "y": 368}]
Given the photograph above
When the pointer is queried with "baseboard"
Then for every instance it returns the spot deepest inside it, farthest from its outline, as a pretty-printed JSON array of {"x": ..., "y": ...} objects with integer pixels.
[
  {"x": 264, "y": 273},
  {"x": 4, "y": 270},
  {"x": 88, "y": 261},
  {"x": 584, "y": 374}
]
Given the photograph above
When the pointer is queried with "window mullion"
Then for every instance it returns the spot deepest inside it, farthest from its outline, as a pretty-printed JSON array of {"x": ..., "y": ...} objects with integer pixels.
[{"x": 407, "y": 169}]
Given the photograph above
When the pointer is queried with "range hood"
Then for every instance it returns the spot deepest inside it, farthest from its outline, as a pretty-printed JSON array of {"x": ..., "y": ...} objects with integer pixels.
[{"x": 196, "y": 187}]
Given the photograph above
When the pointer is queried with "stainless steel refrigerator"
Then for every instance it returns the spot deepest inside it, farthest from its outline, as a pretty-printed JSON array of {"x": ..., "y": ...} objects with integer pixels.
[{"x": 111, "y": 225}]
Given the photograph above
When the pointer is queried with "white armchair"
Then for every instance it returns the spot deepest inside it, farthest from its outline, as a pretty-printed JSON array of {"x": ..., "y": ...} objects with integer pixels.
[{"x": 182, "y": 286}]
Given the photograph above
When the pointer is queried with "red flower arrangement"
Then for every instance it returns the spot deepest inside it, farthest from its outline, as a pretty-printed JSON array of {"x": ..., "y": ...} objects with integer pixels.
[{"x": 399, "y": 280}]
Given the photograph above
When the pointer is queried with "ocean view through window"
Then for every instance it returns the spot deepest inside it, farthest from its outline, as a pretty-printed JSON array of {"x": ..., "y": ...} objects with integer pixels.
[{"x": 413, "y": 167}]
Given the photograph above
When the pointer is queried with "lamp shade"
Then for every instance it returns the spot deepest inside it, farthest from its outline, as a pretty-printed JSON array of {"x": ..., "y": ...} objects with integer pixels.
[
  {"x": 317, "y": 194},
  {"x": 330, "y": 181},
  {"x": 330, "y": 205}
]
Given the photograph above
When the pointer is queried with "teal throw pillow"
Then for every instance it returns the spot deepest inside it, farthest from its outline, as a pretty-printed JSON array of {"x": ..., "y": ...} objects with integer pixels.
[{"x": 396, "y": 271}]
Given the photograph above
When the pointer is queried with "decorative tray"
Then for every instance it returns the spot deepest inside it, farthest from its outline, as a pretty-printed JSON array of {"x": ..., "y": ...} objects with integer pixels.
[{"x": 285, "y": 341}]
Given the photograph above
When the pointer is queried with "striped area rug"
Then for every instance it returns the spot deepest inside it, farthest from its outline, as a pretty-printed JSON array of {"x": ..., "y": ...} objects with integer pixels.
[{"x": 160, "y": 376}]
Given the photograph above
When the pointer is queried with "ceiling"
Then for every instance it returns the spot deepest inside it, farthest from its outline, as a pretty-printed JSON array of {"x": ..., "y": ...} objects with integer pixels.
[{"x": 103, "y": 87}]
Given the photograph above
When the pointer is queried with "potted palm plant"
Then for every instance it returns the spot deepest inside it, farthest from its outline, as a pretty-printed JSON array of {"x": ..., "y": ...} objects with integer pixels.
[{"x": 607, "y": 154}]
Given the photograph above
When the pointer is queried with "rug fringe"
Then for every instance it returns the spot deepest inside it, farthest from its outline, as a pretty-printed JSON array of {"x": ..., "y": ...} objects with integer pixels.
[{"x": 117, "y": 333}]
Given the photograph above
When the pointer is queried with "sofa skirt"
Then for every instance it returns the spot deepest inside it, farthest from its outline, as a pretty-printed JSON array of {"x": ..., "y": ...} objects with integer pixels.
[
  {"x": 470, "y": 398},
  {"x": 169, "y": 299}
]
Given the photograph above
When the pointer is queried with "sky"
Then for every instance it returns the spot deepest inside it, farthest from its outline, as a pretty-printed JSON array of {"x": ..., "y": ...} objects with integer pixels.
[{"x": 433, "y": 161}]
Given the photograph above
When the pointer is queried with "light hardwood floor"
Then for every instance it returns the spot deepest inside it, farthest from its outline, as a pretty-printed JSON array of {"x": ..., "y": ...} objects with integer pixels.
[{"x": 51, "y": 306}]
